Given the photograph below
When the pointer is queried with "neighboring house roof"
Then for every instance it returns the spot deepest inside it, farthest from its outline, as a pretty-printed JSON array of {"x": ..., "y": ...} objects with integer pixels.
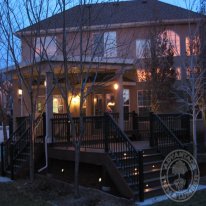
[{"x": 116, "y": 13}]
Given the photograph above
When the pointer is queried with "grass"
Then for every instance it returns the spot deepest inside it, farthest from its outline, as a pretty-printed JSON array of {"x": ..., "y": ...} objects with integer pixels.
[
  {"x": 48, "y": 192},
  {"x": 198, "y": 199},
  {"x": 10, "y": 195}
]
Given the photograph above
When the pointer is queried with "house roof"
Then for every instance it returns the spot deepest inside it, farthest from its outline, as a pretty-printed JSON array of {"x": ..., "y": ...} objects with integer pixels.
[{"x": 116, "y": 13}]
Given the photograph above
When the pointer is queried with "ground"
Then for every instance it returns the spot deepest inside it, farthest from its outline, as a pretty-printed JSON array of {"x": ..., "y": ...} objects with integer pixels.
[
  {"x": 48, "y": 192},
  {"x": 45, "y": 191}
]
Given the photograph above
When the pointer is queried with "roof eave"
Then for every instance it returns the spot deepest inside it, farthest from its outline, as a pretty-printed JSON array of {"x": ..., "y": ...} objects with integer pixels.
[{"x": 112, "y": 26}]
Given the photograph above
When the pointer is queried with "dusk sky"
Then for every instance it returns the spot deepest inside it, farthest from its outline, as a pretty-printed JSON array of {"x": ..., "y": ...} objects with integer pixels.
[{"x": 189, "y": 4}]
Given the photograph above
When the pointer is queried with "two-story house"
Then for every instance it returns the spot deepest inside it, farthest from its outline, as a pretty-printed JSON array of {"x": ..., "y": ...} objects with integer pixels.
[{"x": 102, "y": 45}]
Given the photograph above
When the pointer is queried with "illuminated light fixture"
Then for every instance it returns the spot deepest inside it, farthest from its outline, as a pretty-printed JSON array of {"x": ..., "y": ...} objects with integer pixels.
[
  {"x": 62, "y": 170},
  {"x": 146, "y": 190},
  {"x": 153, "y": 166},
  {"x": 147, "y": 185},
  {"x": 95, "y": 100},
  {"x": 111, "y": 104},
  {"x": 55, "y": 100},
  {"x": 125, "y": 154},
  {"x": 20, "y": 92},
  {"x": 116, "y": 86},
  {"x": 100, "y": 179},
  {"x": 136, "y": 173},
  {"x": 75, "y": 99},
  {"x": 135, "y": 169},
  {"x": 45, "y": 83}
]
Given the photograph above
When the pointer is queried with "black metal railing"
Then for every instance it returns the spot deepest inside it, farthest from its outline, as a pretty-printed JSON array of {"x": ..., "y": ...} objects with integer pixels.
[
  {"x": 162, "y": 137},
  {"x": 93, "y": 131},
  {"x": 120, "y": 148},
  {"x": 40, "y": 128},
  {"x": 22, "y": 127},
  {"x": 16, "y": 150},
  {"x": 18, "y": 143},
  {"x": 179, "y": 124}
]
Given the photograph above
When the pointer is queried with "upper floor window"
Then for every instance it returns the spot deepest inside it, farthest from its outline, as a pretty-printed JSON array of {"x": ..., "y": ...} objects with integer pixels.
[
  {"x": 173, "y": 39},
  {"x": 192, "y": 45},
  {"x": 143, "y": 48},
  {"x": 104, "y": 44},
  {"x": 45, "y": 45}
]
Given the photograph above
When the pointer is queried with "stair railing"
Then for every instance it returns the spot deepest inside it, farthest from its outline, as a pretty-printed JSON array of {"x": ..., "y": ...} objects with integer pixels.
[
  {"x": 119, "y": 147},
  {"x": 162, "y": 137},
  {"x": 6, "y": 146}
]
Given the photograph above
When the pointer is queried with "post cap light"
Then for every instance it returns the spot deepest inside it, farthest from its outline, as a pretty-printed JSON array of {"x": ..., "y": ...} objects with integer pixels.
[{"x": 20, "y": 92}]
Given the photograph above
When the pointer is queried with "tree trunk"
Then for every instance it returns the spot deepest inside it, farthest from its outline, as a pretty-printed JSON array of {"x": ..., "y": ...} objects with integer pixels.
[
  {"x": 4, "y": 131},
  {"x": 194, "y": 134},
  {"x": 76, "y": 170}
]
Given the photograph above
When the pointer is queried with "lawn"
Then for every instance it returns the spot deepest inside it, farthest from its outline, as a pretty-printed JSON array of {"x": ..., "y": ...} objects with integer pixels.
[
  {"x": 198, "y": 199},
  {"x": 10, "y": 195},
  {"x": 49, "y": 192}
]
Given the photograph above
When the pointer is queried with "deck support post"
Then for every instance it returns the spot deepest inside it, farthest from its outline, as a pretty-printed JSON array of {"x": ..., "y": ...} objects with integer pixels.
[
  {"x": 120, "y": 101},
  {"x": 152, "y": 141},
  {"x": 49, "y": 105},
  {"x": 2, "y": 159},
  {"x": 141, "y": 177}
]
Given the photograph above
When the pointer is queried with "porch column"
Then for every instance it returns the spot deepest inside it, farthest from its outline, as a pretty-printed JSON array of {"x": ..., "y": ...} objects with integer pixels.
[
  {"x": 49, "y": 105},
  {"x": 120, "y": 102},
  {"x": 89, "y": 105}
]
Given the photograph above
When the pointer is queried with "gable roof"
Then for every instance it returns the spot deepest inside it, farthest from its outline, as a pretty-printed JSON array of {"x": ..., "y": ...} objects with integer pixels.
[{"x": 116, "y": 13}]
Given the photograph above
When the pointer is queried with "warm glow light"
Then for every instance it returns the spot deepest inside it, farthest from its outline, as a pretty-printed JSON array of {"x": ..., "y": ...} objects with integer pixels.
[
  {"x": 153, "y": 166},
  {"x": 20, "y": 92},
  {"x": 62, "y": 170},
  {"x": 116, "y": 86},
  {"x": 100, "y": 179},
  {"x": 55, "y": 100},
  {"x": 111, "y": 104},
  {"x": 95, "y": 100},
  {"x": 125, "y": 154},
  {"x": 75, "y": 99},
  {"x": 45, "y": 83}
]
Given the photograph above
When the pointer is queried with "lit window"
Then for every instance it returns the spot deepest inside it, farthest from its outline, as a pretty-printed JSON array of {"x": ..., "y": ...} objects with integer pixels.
[
  {"x": 144, "y": 101},
  {"x": 143, "y": 48},
  {"x": 192, "y": 46},
  {"x": 178, "y": 73},
  {"x": 58, "y": 104},
  {"x": 126, "y": 99},
  {"x": 142, "y": 75},
  {"x": 173, "y": 40},
  {"x": 104, "y": 44},
  {"x": 45, "y": 46}
]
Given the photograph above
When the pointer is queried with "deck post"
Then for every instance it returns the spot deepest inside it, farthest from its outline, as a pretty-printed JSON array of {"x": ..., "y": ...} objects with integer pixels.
[
  {"x": 120, "y": 102},
  {"x": 2, "y": 159},
  {"x": 49, "y": 105},
  {"x": 12, "y": 160},
  {"x": 152, "y": 141},
  {"x": 141, "y": 177},
  {"x": 106, "y": 133}
]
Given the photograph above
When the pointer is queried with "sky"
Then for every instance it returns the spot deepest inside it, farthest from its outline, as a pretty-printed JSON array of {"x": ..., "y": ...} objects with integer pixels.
[{"x": 188, "y": 4}]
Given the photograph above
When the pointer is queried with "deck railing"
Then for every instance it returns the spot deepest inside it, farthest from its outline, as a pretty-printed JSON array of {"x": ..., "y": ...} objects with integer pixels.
[
  {"x": 93, "y": 131},
  {"x": 121, "y": 149},
  {"x": 179, "y": 124},
  {"x": 162, "y": 137}
]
